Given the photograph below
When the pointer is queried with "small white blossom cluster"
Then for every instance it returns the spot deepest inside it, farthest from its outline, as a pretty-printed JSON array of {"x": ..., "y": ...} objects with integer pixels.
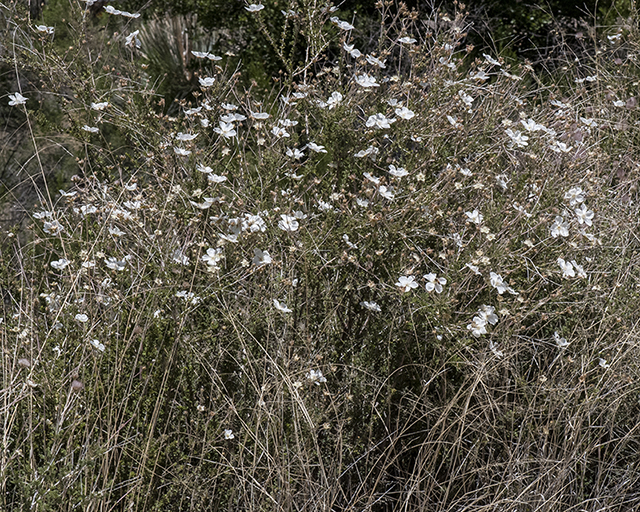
[{"x": 485, "y": 316}]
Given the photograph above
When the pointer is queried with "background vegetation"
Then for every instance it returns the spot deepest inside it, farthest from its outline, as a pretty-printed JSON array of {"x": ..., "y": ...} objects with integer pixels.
[{"x": 399, "y": 272}]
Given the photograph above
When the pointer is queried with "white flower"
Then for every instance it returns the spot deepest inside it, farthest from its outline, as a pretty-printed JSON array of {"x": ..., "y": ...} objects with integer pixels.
[
  {"x": 287, "y": 122},
  {"x": 44, "y": 29},
  {"x": 115, "y": 264},
  {"x": 205, "y": 55},
  {"x": 99, "y": 106},
  {"x": 376, "y": 62},
  {"x": 559, "y": 104},
  {"x": 115, "y": 231},
  {"x": 189, "y": 297},
  {"x": 88, "y": 209},
  {"x": 366, "y": 81},
  {"x": 186, "y": 136},
  {"x": 227, "y": 130},
  {"x": 206, "y": 204},
  {"x": 259, "y": 115},
  {"x": 279, "y": 132},
  {"x": 559, "y": 147},
  {"x": 112, "y": 10},
  {"x": 379, "y": 121},
  {"x": 288, "y": 100},
  {"x": 584, "y": 215},
  {"x": 288, "y": 223},
  {"x": 567, "y": 268},
  {"x": 445, "y": 62},
  {"x": 90, "y": 129},
  {"x": 213, "y": 257},
  {"x": 132, "y": 205},
  {"x": 280, "y": 306},
  {"x": 60, "y": 264},
  {"x": 454, "y": 121},
  {"x": 316, "y": 376},
  {"x": 371, "y": 306},
  {"x": 398, "y": 172},
  {"x": 474, "y": 268},
  {"x": 466, "y": 99},
  {"x": 254, "y": 7},
  {"x": 132, "y": 40},
  {"x": 316, "y": 147},
  {"x": 371, "y": 152},
  {"x": 214, "y": 178},
  {"x": 560, "y": 342},
  {"x": 405, "y": 113},
  {"x": 475, "y": 216},
  {"x": 204, "y": 169},
  {"x": 207, "y": 81},
  {"x": 510, "y": 76},
  {"x": 261, "y": 257},
  {"x": 53, "y": 227},
  {"x": 517, "y": 138},
  {"x": 180, "y": 257},
  {"x": 97, "y": 345},
  {"x": 603, "y": 363},
  {"x": 385, "y": 192},
  {"x": 343, "y": 25},
  {"x": 531, "y": 126},
  {"x": 618, "y": 103},
  {"x": 478, "y": 326},
  {"x": 575, "y": 196},
  {"x": 498, "y": 283},
  {"x": 351, "y": 245},
  {"x": 228, "y": 433},
  {"x": 254, "y": 223},
  {"x": 491, "y": 60},
  {"x": 371, "y": 178},
  {"x": 295, "y": 153},
  {"x": 496, "y": 352},
  {"x": 406, "y": 283},
  {"x": 479, "y": 75},
  {"x": 434, "y": 283},
  {"x": 579, "y": 270},
  {"x": 502, "y": 180},
  {"x": 181, "y": 151},
  {"x": 17, "y": 99},
  {"x": 354, "y": 52},
  {"x": 406, "y": 40},
  {"x": 488, "y": 313},
  {"x": 334, "y": 99},
  {"x": 81, "y": 317},
  {"x": 559, "y": 227}
]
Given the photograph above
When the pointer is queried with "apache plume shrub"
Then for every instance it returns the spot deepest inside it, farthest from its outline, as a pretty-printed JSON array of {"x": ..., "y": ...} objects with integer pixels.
[{"x": 403, "y": 279}]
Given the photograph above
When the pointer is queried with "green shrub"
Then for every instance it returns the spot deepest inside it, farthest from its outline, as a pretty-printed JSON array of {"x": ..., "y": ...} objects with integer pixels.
[{"x": 443, "y": 317}]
